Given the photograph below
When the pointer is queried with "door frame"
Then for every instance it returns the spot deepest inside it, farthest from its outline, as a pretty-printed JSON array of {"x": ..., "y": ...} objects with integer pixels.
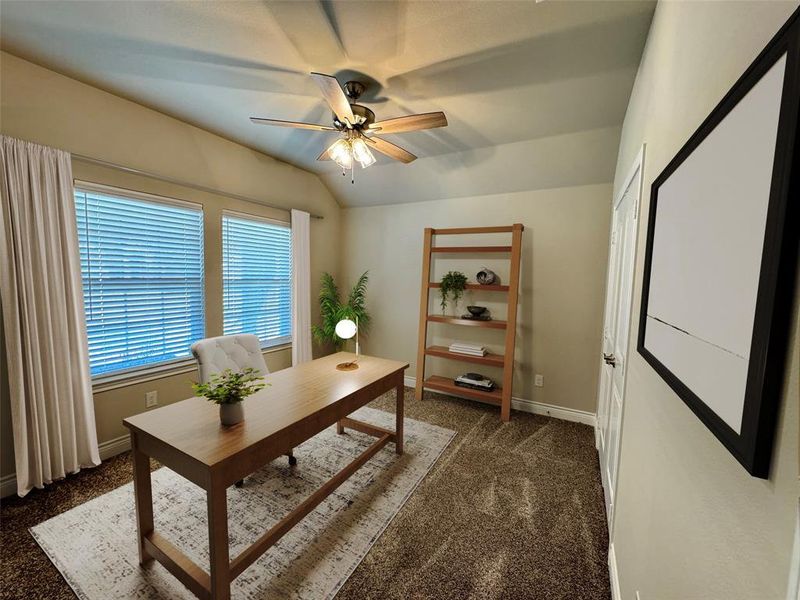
[
  {"x": 636, "y": 168},
  {"x": 793, "y": 588}
]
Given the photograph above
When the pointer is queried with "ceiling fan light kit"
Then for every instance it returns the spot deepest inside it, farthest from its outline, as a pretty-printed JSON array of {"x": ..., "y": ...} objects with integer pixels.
[
  {"x": 354, "y": 121},
  {"x": 348, "y": 150}
]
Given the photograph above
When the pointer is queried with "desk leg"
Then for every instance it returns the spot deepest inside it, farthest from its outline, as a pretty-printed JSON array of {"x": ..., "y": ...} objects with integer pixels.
[
  {"x": 218, "y": 543},
  {"x": 398, "y": 428},
  {"x": 143, "y": 494}
]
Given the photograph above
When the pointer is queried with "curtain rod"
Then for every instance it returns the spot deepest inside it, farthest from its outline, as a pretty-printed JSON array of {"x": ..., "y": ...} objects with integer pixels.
[{"x": 202, "y": 188}]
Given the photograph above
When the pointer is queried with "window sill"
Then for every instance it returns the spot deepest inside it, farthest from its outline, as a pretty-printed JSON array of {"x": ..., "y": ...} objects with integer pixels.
[
  {"x": 115, "y": 381},
  {"x": 118, "y": 380},
  {"x": 278, "y": 348}
]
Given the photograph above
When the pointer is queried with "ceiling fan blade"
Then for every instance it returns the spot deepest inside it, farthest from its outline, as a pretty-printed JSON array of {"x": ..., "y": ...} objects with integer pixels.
[
  {"x": 295, "y": 124},
  {"x": 410, "y": 123},
  {"x": 390, "y": 150},
  {"x": 324, "y": 155},
  {"x": 334, "y": 96}
]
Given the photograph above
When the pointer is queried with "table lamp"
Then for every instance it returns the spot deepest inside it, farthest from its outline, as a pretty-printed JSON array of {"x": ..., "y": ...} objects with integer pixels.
[{"x": 346, "y": 329}]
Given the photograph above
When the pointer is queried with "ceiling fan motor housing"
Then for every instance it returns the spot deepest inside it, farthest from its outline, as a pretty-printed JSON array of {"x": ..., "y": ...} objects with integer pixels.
[{"x": 364, "y": 117}]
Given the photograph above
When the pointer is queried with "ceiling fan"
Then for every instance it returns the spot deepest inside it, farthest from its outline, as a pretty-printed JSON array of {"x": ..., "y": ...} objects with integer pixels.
[{"x": 355, "y": 122}]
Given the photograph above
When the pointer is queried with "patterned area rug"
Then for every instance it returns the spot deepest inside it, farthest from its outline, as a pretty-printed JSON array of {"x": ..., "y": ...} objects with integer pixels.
[{"x": 94, "y": 548}]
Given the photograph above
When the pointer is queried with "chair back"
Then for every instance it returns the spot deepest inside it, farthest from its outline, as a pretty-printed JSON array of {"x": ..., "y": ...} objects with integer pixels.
[{"x": 234, "y": 352}]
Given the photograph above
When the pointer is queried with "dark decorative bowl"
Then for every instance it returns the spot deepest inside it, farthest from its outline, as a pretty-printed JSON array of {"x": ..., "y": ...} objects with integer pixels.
[
  {"x": 476, "y": 310},
  {"x": 486, "y": 277}
]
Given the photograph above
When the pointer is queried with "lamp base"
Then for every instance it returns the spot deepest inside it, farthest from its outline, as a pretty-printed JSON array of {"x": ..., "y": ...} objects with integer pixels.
[{"x": 347, "y": 366}]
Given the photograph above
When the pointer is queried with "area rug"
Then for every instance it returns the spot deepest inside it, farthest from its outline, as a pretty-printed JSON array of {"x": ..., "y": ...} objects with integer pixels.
[{"x": 94, "y": 547}]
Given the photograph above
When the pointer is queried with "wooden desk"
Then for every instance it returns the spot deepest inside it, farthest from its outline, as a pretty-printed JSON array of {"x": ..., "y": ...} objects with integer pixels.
[{"x": 187, "y": 437}]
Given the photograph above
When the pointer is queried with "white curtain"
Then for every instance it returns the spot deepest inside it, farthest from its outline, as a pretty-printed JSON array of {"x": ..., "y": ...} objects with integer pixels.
[
  {"x": 301, "y": 287},
  {"x": 50, "y": 387}
]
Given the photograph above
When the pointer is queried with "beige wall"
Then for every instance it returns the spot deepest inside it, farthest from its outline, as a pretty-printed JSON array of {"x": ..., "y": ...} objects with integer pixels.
[
  {"x": 561, "y": 302},
  {"x": 690, "y": 522},
  {"x": 48, "y": 108}
]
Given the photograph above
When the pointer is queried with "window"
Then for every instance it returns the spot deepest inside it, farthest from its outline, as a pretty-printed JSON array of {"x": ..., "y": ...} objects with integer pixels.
[
  {"x": 142, "y": 269},
  {"x": 257, "y": 279}
]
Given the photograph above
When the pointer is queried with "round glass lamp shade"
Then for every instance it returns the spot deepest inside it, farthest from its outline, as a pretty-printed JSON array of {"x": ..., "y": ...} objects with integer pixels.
[
  {"x": 341, "y": 153},
  {"x": 346, "y": 329}
]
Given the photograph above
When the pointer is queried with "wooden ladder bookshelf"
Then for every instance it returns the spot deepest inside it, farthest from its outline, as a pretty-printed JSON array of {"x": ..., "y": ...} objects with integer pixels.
[{"x": 502, "y": 395}]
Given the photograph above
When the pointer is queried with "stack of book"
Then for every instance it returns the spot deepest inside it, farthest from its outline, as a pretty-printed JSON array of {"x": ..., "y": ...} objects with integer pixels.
[{"x": 467, "y": 348}]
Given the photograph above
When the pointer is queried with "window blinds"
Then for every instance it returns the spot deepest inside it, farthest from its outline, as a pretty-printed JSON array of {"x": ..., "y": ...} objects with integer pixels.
[
  {"x": 257, "y": 279},
  {"x": 142, "y": 269}
]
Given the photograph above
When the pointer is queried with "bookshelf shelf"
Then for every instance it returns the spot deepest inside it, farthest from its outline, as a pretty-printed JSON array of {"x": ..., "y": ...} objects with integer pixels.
[
  {"x": 493, "y": 324},
  {"x": 475, "y": 286},
  {"x": 446, "y": 385},
  {"x": 491, "y": 360}
]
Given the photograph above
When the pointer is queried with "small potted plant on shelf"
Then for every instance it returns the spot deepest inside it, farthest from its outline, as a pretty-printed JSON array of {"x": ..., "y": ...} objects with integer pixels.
[
  {"x": 452, "y": 285},
  {"x": 229, "y": 389}
]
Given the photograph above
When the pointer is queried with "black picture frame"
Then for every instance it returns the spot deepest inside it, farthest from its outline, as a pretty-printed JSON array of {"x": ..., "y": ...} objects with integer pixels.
[{"x": 752, "y": 447}]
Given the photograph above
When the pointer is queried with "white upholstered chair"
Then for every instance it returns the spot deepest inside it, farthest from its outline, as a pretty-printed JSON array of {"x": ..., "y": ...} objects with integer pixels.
[{"x": 235, "y": 352}]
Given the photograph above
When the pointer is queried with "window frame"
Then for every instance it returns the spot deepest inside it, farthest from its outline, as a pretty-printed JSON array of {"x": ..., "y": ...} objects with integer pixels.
[
  {"x": 283, "y": 343},
  {"x": 163, "y": 368}
]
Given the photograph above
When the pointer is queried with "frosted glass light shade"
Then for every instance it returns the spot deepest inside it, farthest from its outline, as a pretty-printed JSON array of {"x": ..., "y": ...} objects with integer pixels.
[
  {"x": 346, "y": 329},
  {"x": 362, "y": 153},
  {"x": 341, "y": 153}
]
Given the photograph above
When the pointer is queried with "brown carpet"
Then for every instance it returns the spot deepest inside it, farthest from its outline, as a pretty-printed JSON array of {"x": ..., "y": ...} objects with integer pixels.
[{"x": 510, "y": 511}]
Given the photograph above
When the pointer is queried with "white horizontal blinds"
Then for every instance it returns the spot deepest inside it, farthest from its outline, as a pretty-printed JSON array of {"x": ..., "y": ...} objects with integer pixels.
[
  {"x": 142, "y": 269},
  {"x": 257, "y": 279}
]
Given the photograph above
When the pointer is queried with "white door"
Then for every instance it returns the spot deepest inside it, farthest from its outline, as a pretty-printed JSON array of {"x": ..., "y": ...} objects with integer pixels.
[{"x": 616, "y": 327}]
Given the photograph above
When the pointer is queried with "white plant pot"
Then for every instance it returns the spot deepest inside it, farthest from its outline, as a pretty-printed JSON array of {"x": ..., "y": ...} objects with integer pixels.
[{"x": 231, "y": 414}]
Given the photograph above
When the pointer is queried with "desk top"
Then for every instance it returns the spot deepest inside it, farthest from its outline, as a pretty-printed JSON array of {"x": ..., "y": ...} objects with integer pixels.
[{"x": 295, "y": 396}]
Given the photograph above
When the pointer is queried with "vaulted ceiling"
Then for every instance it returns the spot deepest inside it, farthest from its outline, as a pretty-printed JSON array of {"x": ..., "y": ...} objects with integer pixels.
[{"x": 534, "y": 92}]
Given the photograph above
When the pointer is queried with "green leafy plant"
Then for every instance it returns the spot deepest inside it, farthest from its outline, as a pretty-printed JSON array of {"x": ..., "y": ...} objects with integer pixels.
[
  {"x": 230, "y": 387},
  {"x": 332, "y": 310},
  {"x": 452, "y": 285}
]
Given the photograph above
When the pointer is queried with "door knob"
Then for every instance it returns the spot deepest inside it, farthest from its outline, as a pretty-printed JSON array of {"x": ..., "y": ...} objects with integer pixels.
[{"x": 610, "y": 359}]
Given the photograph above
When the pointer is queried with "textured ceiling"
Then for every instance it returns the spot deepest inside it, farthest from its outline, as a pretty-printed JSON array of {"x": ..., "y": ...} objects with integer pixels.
[{"x": 534, "y": 92}]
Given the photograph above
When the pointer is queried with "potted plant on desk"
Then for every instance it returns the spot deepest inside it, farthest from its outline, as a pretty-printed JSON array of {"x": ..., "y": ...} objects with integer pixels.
[{"x": 228, "y": 389}]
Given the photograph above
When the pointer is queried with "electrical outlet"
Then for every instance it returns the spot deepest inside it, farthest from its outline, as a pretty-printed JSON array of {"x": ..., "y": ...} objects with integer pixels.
[
  {"x": 538, "y": 380},
  {"x": 151, "y": 399}
]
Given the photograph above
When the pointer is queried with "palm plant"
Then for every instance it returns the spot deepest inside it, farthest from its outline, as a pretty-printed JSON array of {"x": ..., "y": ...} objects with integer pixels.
[{"x": 332, "y": 310}]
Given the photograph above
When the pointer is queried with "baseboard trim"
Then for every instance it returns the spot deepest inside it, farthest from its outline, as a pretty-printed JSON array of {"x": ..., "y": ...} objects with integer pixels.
[
  {"x": 114, "y": 447},
  {"x": 8, "y": 484},
  {"x": 537, "y": 408},
  {"x": 613, "y": 575}
]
